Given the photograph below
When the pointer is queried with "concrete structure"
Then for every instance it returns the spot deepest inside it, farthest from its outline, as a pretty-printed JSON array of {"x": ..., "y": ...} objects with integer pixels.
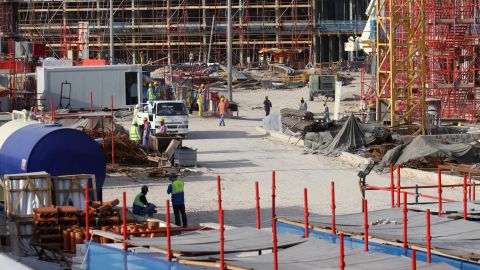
[{"x": 147, "y": 31}]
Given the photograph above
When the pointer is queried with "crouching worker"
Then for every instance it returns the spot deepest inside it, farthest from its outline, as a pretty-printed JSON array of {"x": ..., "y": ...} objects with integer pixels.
[{"x": 141, "y": 206}]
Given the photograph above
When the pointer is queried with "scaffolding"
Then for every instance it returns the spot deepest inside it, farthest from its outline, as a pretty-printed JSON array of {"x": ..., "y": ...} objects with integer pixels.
[
  {"x": 427, "y": 51},
  {"x": 148, "y": 30}
]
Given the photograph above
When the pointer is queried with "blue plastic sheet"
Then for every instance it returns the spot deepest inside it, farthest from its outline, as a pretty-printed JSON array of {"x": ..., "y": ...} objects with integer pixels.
[{"x": 102, "y": 257}]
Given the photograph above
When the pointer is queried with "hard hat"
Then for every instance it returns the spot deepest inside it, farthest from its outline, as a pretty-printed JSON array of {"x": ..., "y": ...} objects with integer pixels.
[
  {"x": 144, "y": 189},
  {"x": 162, "y": 120},
  {"x": 172, "y": 176},
  {"x": 155, "y": 83},
  {"x": 151, "y": 84},
  {"x": 145, "y": 118},
  {"x": 134, "y": 122},
  {"x": 137, "y": 106},
  {"x": 202, "y": 85}
]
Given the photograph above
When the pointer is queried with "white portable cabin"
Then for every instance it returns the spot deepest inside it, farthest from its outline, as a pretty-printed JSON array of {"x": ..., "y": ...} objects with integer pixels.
[{"x": 103, "y": 81}]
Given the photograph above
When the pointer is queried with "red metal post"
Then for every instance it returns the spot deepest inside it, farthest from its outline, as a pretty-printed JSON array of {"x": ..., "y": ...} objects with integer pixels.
[
  {"x": 257, "y": 205},
  {"x": 113, "y": 132},
  {"x": 439, "y": 191},
  {"x": 169, "y": 242},
  {"x": 465, "y": 197},
  {"x": 392, "y": 186},
  {"x": 124, "y": 219},
  {"x": 52, "y": 110},
  {"x": 305, "y": 211},
  {"x": 414, "y": 259},
  {"x": 365, "y": 224},
  {"x": 87, "y": 214},
  {"x": 274, "y": 241},
  {"x": 219, "y": 195},
  {"x": 273, "y": 196},
  {"x": 428, "y": 237},
  {"x": 473, "y": 192},
  {"x": 332, "y": 191},
  {"x": 398, "y": 186},
  {"x": 222, "y": 242},
  {"x": 469, "y": 186},
  {"x": 274, "y": 225},
  {"x": 341, "y": 263},
  {"x": 405, "y": 220},
  {"x": 91, "y": 110}
]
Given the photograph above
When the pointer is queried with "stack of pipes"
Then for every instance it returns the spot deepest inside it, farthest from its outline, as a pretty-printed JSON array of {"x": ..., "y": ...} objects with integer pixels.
[{"x": 49, "y": 223}]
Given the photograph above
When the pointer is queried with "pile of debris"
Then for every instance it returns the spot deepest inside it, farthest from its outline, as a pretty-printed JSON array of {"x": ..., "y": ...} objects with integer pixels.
[
  {"x": 352, "y": 136},
  {"x": 427, "y": 152},
  {"x": 301, "y": 121}
]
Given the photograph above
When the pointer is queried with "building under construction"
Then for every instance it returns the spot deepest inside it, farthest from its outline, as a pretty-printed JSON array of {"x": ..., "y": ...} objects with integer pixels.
[{"x": 183, "y": 31}]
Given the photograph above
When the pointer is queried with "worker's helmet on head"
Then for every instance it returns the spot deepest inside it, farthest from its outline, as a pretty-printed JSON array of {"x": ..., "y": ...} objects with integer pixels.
[
  {"x": 155, "y": 83},
  {"x": 202, "y": 85},
  {"x": 162, "y": 120},
  {"x": 137, "y": 106},
  {"x": 144, "y": 189},
  {"x": 172, "y": 176},
  {"x": 134, "y": 123},
  {"x": 151, "y": 84},
  {"x": 145, "y": 118}
]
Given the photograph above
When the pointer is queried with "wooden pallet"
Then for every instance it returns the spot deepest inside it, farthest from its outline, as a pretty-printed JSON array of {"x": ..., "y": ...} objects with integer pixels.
[
  {"x": 63, "y": 196},
  {"x": 19, "y": 186}
]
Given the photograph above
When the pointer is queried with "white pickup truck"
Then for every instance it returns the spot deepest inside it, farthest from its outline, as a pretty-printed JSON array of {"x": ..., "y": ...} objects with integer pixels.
[{"x": 173, "y": 112}]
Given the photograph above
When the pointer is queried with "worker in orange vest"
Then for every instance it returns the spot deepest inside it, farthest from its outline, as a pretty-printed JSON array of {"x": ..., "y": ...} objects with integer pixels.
[{"x": 222, "y": 110}]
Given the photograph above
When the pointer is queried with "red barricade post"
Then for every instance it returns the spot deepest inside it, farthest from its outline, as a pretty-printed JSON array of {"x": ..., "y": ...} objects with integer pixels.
[
  {"x": 222, "y": 241},
  {"x": 274, "y": 241},
  {"x": 332, "y": 191},
  {"x": 414, "y": 259},
  {"x": 439, "y": 191},
  {"x": 465, "y": 197},
  {"x": 124, "y": 219},
  {"x": 341, "y": 263},
  {"x": 305, "y": 211},
  {"x": 87, "y": 214},
  {"x": 257, "y": 205},
  {"x": 169, "y": 242},
  {"x": 428, "y": 237},
  {"x": 365, "y": 224},
  {"x": 405, "y": 220},
  {"x": 398, "y": 185},
  {"x": 392, "y": 186},
  {"x": 219, "y": 195},
  {"x": 112, "y": 131}
]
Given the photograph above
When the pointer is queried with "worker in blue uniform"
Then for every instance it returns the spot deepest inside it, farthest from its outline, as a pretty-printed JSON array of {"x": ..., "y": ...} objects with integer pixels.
[{"x": 176, "y": 188}]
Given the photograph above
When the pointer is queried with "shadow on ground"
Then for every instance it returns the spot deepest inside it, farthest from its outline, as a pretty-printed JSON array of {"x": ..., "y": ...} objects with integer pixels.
[{"x": 219, "y": 134}]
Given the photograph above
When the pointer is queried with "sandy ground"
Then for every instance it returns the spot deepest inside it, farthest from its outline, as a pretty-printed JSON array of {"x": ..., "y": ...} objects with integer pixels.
[{"x": 241, "y": 156}]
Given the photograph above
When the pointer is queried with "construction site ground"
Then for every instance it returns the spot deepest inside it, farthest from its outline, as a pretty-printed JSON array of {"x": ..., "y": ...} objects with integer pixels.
[{"x": 241, "y": 155}]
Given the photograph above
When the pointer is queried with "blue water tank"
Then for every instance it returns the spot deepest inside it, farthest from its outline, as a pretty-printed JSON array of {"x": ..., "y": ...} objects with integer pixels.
[{"x": 54, "y": 149}]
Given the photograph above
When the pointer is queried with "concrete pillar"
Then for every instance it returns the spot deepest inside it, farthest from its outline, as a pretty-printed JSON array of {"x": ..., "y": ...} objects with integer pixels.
[
  {"x": 277, "y": 21},
  {"x": 204, "y": 31},
  {"x": 134, "y": 41},
  {"x": 99, "y": 37},
  {"x": 240, "y": 20},
  {"x": 169, "y": 50}
]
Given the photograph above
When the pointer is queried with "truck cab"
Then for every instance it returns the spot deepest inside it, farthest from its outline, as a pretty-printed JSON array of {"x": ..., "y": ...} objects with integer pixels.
[{"x": 173, "y": 112}]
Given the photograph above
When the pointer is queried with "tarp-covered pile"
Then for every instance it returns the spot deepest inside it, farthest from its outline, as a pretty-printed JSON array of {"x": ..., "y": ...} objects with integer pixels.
[
  {"x": 423, "y": 149},
  {"x": 301, "y": 121}
]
